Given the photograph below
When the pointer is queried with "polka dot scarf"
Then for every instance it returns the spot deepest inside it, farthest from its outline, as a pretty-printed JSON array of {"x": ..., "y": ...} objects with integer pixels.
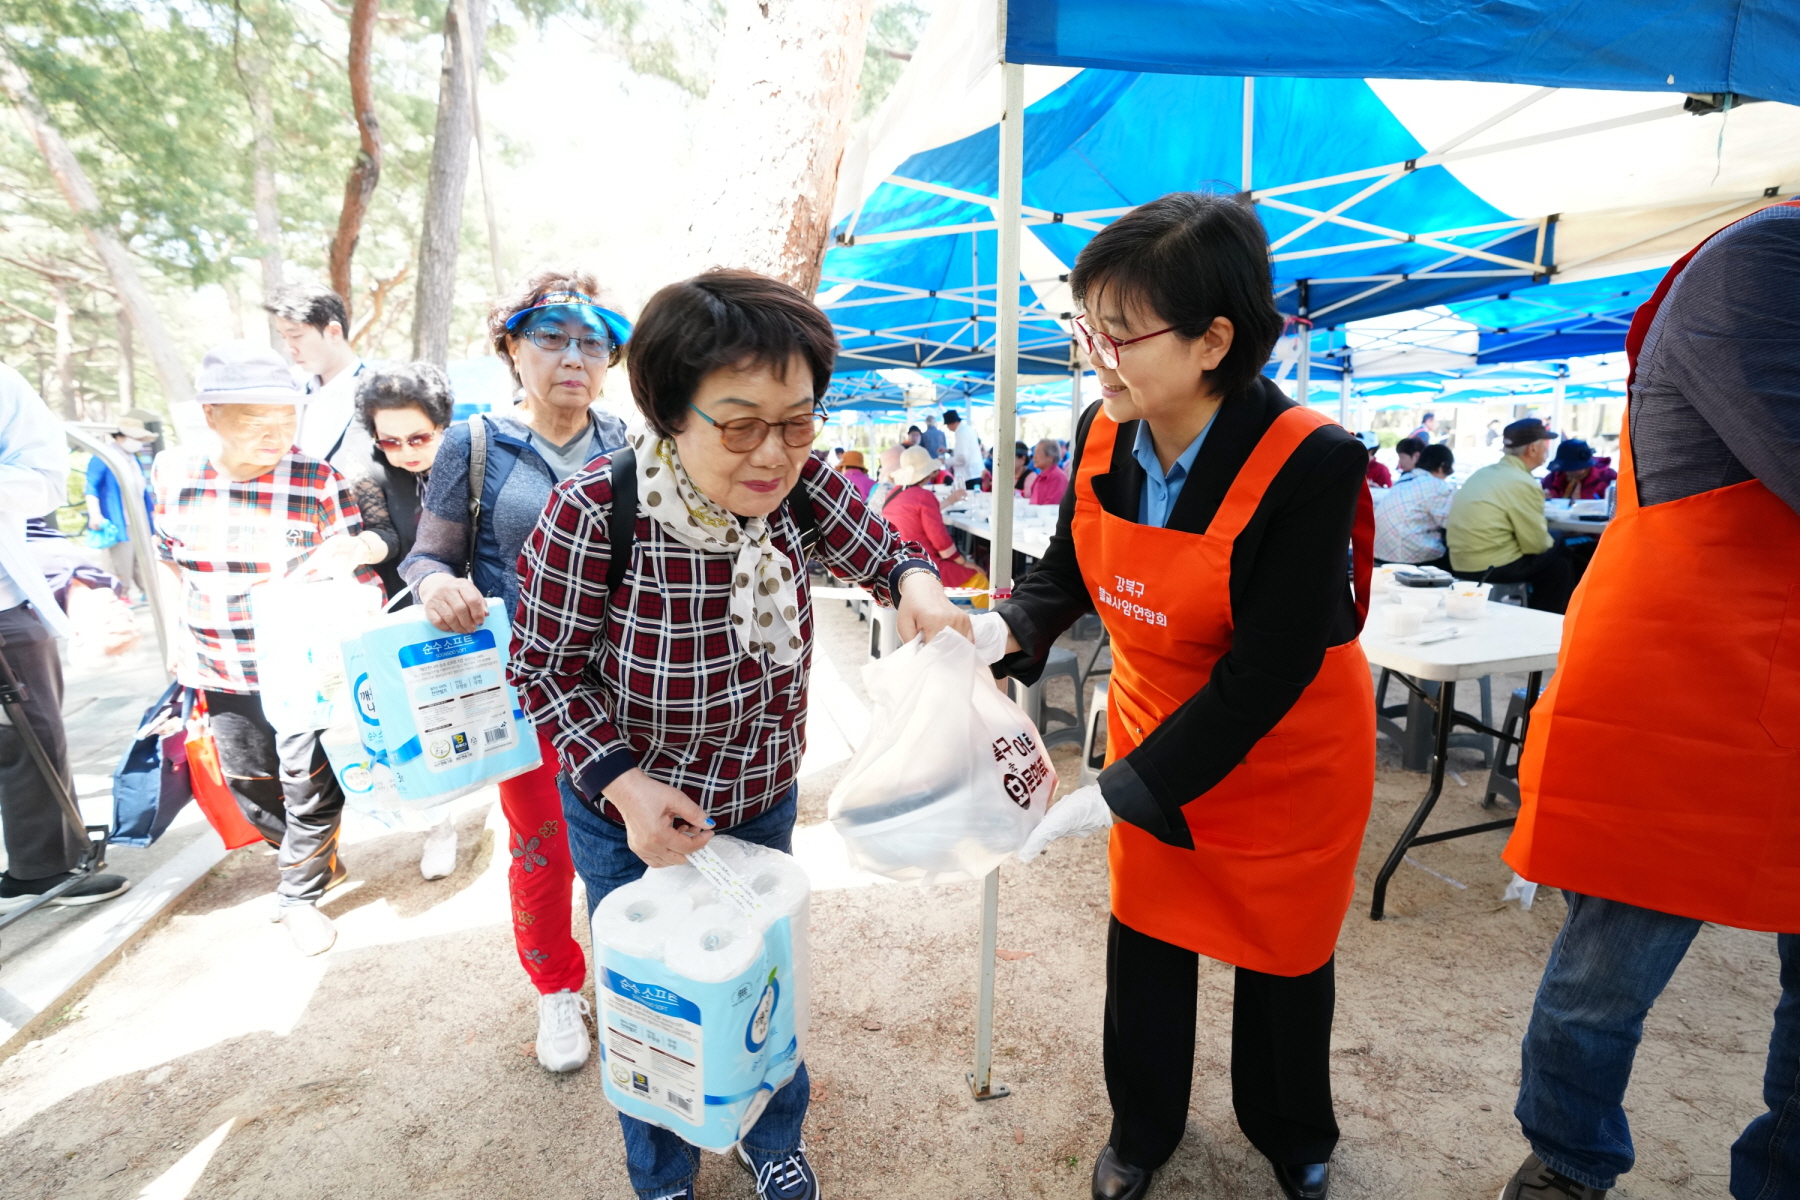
[{"x": 765, "y": 609}]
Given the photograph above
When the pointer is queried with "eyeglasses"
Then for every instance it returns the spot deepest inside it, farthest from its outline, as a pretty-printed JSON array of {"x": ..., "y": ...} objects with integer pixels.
[
  {"x": 1104, "y": 347},
  {"x": 549, "y": 337},
  {"x": 747, "y": 433},
  {"x": 412, "y": 441}
]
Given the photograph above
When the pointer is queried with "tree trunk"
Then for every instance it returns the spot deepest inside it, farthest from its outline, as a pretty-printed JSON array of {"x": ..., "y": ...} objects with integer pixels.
[
  {"x": 441, "y": 234},
  {"x": 367, "y": 171},
  {"x": 62, "y": 323},
  {"x": 773, "y": 134},
  {"x": 66, "y": 169},
  {"x": 266, "y": 201},
  {"x": 127, "y": 365}
]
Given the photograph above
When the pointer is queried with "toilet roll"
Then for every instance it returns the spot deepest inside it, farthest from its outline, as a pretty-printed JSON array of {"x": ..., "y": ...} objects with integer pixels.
[
  {"x": 671, "y": 879},
  {"x": 713, "y": 944},
  {"x": 639, "y": 920},
  {"x": 779, "y": 882}
]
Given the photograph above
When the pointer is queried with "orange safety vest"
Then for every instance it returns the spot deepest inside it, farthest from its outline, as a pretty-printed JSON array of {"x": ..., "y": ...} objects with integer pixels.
[
  {"x": 1662, "y": 767},
  {"x": 1273, "y": 866}
]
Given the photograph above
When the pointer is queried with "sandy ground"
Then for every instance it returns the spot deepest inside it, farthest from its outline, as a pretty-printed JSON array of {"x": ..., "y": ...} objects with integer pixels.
[{"x": 211, "y": 1061}]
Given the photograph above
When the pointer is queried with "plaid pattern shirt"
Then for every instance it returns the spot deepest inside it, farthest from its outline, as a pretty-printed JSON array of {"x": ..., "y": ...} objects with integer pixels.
[
  {"x": 225, "y": 536},
  {"x": 652, "y": 675},
  {"x": 1410, "y": 518}
]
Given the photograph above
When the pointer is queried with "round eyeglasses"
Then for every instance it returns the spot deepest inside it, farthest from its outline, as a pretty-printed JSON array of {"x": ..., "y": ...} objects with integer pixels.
[
  {"x": 1104, "y": 348},
  {"x": 745, "y": 434},
  {"x": 555, "y": 340}
]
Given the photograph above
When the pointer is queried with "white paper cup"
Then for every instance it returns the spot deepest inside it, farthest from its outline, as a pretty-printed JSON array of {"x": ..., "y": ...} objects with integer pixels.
[{"x": 1401, "y": 620}]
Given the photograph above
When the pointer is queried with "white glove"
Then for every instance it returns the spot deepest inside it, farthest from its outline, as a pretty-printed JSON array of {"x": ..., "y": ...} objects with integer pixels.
[
  {"x": 991, "y": 632},
  {"x": 1081, "y": 812}
]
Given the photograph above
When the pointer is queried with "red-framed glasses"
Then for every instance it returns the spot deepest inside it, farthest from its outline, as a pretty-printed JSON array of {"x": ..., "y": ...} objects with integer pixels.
[{"x": 1104, "y": 347}]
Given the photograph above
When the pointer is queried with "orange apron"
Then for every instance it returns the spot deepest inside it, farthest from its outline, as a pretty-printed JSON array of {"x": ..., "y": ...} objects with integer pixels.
[
  {"x": 1662, "y": 766},
  {"x": 1272, "y": 870}
]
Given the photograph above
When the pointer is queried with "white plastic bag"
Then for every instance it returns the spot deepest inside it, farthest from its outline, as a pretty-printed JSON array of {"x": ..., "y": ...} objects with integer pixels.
[
  {"x": 300, "y": 625},
  {"x": 953, "y": 775}
]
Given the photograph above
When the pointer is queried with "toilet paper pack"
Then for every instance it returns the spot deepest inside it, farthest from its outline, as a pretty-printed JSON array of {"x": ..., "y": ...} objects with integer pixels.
[
  {"x": 433, "y": 717},
  {"x": 703, "y": 1007}
]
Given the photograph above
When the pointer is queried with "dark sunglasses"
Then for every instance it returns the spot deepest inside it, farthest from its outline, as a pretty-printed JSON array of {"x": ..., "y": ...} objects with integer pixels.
[
  {"x": 549, "y": 337},
  {"x": 412, "y": 441},
  {"x": 747, "y": 433}
]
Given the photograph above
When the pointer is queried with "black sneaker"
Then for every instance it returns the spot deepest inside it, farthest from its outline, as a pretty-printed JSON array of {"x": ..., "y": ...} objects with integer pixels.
[
  {"x": 17, "y": 893},
  {"x": 684, "y": 1192},
  {"x": 1535, "y": 1181},
  {"x": 787, "y": 1178}
]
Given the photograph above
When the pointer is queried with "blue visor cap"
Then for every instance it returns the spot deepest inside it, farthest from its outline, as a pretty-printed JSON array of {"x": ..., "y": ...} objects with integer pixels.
[{"x": 581, "y": 307}]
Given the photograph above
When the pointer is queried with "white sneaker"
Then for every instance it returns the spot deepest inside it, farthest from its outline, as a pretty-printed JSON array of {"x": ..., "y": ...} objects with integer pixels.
[
  {"x": 311, "y": 930},
  {"x": 439, "y": 856},
  {"x": 562, "y": 1040}
]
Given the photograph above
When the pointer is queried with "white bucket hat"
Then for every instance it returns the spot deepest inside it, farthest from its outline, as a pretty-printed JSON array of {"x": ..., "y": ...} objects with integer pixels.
[
  {"x": 916, "y": 463},
  {"x": 246, "y": 373}
]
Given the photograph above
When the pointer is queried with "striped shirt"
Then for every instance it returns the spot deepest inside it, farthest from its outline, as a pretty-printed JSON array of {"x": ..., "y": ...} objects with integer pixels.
[{"x": 225, "y": 536}]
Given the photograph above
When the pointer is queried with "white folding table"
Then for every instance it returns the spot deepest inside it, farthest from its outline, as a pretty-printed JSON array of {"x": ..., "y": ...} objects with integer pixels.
[{"x": 1507, "y": 639}]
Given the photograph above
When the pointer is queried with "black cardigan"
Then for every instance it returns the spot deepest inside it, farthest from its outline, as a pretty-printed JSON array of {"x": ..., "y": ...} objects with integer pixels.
[{"x": 1290, "y": 599}]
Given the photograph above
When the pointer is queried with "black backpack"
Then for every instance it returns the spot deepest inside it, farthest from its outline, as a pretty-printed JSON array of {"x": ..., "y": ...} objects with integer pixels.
[{"x": 622, "y": 523}]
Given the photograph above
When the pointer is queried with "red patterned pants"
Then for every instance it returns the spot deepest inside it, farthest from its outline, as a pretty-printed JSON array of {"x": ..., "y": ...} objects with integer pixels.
[{"x": 541, "y": 878}]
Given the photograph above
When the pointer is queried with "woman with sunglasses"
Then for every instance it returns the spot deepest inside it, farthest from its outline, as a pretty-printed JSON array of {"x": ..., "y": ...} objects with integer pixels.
[
  {"x": 1210, "y": 525},
  {"x": 491, "y": 481},
  {"x": 676, "y": 695},
  {"x": 403, "y": 411}
]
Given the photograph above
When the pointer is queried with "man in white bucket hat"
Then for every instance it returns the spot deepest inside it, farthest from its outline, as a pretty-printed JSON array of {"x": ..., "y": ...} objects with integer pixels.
[{"x": 251, "y": 509}]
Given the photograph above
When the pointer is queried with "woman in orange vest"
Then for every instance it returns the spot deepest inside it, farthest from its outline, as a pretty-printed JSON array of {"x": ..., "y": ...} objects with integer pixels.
[
  {"x": 1210, "y": 526},
  {"x": 1660, "y": 781}
]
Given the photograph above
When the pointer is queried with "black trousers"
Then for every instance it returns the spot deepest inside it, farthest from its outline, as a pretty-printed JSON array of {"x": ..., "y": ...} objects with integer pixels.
[
  {"x": 1552, "y": 574},
  {"x": 284, "y": 785},
  {"x": 39, "y": 842},
  {"x": 1280, "y": 1053}
]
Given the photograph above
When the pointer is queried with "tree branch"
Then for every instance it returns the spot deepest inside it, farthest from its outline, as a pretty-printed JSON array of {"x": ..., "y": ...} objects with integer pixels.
[{"x": 367, "y": 170}]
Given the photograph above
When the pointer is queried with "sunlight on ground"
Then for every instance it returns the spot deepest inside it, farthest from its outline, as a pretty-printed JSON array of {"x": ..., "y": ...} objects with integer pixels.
[{"x": 176, "y": 1182}]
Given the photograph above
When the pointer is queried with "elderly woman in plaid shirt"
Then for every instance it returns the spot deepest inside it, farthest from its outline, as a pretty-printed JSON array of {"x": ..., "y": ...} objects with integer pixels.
[{"x": 677, "y": 701}]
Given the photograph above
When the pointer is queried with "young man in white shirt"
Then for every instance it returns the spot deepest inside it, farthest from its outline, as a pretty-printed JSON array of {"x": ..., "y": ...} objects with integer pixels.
[
  {"x": 313, "y": 321},
  {"x": 965, "y": 452}
]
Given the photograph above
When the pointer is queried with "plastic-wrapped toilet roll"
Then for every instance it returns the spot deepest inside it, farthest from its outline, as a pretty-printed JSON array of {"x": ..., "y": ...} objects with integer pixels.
[
  {"x": 779, "y": 882},
  {"x": 713, "y": 944},
  {"x": 672, "y": 879},
  {"x": 639, "y": 920}
]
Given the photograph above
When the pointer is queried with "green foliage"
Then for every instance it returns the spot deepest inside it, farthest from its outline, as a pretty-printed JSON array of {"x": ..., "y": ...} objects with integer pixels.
[{"x": 894, "y": 34}]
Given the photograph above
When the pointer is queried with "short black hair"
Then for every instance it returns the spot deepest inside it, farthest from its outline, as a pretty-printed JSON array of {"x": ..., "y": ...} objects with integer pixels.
[
  {"x": 722, "y": 318},
  {"x": 419, "y": 385},
  {"x": 1436, "y": 457},
  {"x": 1407, "y": 445},
  {"x": 310, "y": 304},
  {"x": 1191, "y": 257}
]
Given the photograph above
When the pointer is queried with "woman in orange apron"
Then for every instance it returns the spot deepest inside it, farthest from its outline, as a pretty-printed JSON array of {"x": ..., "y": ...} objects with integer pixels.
[
  {"x": 1211, "y": 526},
  {"x": 1660, "y": 781}
]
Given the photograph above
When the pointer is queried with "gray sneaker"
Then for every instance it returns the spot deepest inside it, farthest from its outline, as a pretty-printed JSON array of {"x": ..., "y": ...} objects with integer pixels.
[{"x": 1535, "y": 1181}]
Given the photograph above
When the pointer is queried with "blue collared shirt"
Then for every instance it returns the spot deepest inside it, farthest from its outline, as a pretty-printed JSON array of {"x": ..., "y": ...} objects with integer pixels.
[{"x": 1160, "y": 490}]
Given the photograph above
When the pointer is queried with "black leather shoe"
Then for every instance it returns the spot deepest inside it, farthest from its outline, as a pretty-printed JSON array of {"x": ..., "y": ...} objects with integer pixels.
[
  {"x": 1116, "y": 1179},
  {"x": 1311, "y": 1182}
]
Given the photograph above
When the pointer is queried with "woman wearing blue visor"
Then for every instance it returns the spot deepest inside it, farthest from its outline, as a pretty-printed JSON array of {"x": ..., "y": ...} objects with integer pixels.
[{"x": 490, "y": 481}]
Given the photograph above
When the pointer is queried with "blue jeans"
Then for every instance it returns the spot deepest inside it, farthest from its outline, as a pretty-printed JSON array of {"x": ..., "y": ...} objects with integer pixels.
[
  {"x": 658, "y": 1160},
  {"x": 1608, "y": 965}
]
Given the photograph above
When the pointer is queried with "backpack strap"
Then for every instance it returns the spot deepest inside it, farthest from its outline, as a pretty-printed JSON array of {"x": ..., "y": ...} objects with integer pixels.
[
  {"x": 479, "y": 436},
  {"x": 621, "y": 525},
  {"x": 800, "y": 506}
]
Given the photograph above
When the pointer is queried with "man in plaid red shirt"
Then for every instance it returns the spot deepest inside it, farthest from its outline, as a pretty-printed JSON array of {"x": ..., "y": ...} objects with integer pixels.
[{"x": 252, "y": 510}]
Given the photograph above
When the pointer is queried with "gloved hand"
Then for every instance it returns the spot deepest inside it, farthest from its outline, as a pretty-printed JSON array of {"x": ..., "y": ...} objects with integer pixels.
[
  {"x": 990, "y": 637},
  {"x": 1081, "y": 812}
]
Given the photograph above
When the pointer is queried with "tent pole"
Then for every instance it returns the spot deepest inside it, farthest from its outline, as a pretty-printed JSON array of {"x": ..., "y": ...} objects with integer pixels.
[
  {"x": 1006, "y": 399},
  {"x": 1249, "y": 128},
  {"x": 1344, "y": 396},
  {"x": 1557, "y": 395},
  {"x": 1074, "y": 393}
]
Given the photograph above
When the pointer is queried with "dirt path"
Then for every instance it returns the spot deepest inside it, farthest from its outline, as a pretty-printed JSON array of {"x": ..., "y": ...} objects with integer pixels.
[{"x": 400, "y": 1064}]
